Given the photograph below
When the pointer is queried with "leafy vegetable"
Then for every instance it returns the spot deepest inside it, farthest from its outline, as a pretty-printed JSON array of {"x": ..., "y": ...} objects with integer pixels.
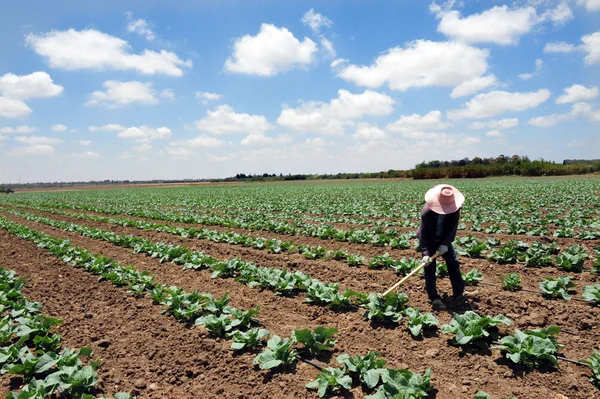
[
  {"x": 417, "y": 320},
  {"x": 556, "y": 287},
  {"x": 317, "y": 341},
  {"x": 594, "y": 363},
  {"x": 531, "y": 348},
  {"x": 403, "y": 384},
  {"x": 591, "y": 293},
  {"x": 385, "y": 309},
  {"x": 243, "y": 340},
  {"x": 470, "y": 326},
  {"x": 367, "y": 368},
  {"x": 511, "y": 282},
  {"x": 277, "y": 354},
  {"x": 330, "y": 380},
  {"x": 473, "y": 277}
]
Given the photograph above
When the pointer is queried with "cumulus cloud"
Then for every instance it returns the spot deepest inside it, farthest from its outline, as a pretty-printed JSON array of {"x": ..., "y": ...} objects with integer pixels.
[
  {"x": 431, "y": 121},
  {"x": 23, "y": 87},
  {"x": 92, "y": 49},
  {"x": 580, "y": 109},
  {"x": 539, "y": 64},
  {"x": 38, "y": 140},
  {"x": 559, "y": 47},
  {"x": 12, "y": 108},
  {"x": 577, "y": 93},
  {"x": 84, "y": 142},
  {"x": 494, "y": 133},
  {"x": 224, "y": 120},
  {"x": 139, "y": 26},
  {"x": 59, "y": 128},
  {"x": 262, "y": 139},
  {"x": 272, "y": 51},
  {"x": 591, "y": 46},
  {"x": 144, "y": 147},
  {"x": 549, "y": 120},
  {"x": 205, "y": 96},
  {"x": 86, "y": 155},
  {"x": 494, "y": 103},
  {"x": 23, "y": 129},
  {"x": 500, "y": 124},
  {"x": 316, "y": 21},
  {"x": 169, "y": 94},
  {"x": 590, "y": 5},
  {"x": 118, "y": 94},
  {"x": 111, "y": 127},
  {"x": 418, "y": 65},
  {"x": 368, "y": 132},
  {"x": 332, "y": 117},
  {"x": 144, "y": 134},
  {"x": 473, "y": 86},
  {"x": 37, "y": 149}
]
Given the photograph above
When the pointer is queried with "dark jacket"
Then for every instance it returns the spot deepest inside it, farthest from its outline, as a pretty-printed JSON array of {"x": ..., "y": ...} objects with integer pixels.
[{"x": 426, "y": 232}]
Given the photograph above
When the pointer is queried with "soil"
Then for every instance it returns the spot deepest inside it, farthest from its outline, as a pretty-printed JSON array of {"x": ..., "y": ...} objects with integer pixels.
[{"x": 149, "y": 348}]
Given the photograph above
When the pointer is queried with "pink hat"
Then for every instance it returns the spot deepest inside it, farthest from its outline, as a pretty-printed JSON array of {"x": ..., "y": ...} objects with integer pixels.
[{"x": 444, "y": 199}]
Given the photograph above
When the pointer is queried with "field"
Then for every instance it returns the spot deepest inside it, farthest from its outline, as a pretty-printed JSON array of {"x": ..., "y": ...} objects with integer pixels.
[{"x": 178, "y": 289}]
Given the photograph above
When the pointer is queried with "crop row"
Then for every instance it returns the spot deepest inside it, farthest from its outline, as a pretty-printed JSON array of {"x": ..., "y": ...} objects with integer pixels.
[
  {"x": 282, "y": 282},
  {"x": 222, "y": 320},
  {"x": 30, "y": 350}
]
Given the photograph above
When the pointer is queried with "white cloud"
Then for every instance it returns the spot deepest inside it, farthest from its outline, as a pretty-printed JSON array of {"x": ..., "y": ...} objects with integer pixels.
[
  {"x": 327, "y": 45},
  {"x": 180, "y": 149},
  {"x": 508, "y": 24},
  {"x": 273, "y": 50},
  {"x": 179, "y": 152},
  {"x": 419, "y": 65},
  {"x": 141, "y": 27},
  {"x": 548, "y": 120},
  {"x": 580, "y": 109},
  {"x": 23, "y": 129},
  {"x": 92, "y": 49},
  {"x": 590, "y": 5},
  {"x": 591, "y": 45},
  {"x": 145, "y": 147},
  {"x": 118, "y": 94},
  {"x": 495, "y": 124},
  {"x": 539, "y": 64},
  {"x": 473, "y": 86},
  {"x": 86, "y": 155},
  {"x": 111, "y": 127},
  {"x": 261, "y": 139},
  {"x": 316, "y": 21},
  {"x": 59, "y": 128},
  {"x": 144, "y": 134},
  {"x": 494, "y": 103},
  {"x": 330, "y": 118},
  {"x": 559, "y": 15},
  {"x": 494, "y": 133},
  {"x": 559, "y": 47},
  {"x": 169, "y": 94},
  {"x": 38, "y": 149},
  {"x": 12, "y": 108},
  {"x": 224, "y": 120},
  {"x": 84, "y": 142},
  {"x": 36, "y": 140},
  {"x": 407, "y": 123},
  {"x": 337, "y": 63},
  {"x": 205, "y": 96},
  {"x": 368, "y": 132},
  {"x": 34, "y": 85},
  {"x": 577, "y": 93},
  {"x": 204, "y": 141}
]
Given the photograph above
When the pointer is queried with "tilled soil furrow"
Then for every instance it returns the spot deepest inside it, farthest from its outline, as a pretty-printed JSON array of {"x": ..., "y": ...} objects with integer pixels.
[{"x": 468, "y": 373}]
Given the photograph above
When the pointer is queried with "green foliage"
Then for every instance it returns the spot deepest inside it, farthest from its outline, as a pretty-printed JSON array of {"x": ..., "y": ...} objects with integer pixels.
[
  {"x": 317, "y": 341},
  {"x": 554, "y": 288},
  {"x": 472, "y": 247},
  {"x": 511, "y": 282},
  {"x": 330, "y": 380},
  {"x": 385, "y": 309},
  {"x": 405, "y": 265},
  {"x": 531, "y": 348},
  {"x": 243, "y": 340},
  {"x": 403, "y": 384},
  {"x": 336, "y": 254},
  {"x": 367, "y": 368},
  {"x": 354, "y": 259},
  {"x": 591, "y": 293},
  {"x": 469, "y": 326},
  {"x": 473, "y": 277},
  {"x": 417, "y": 320},
  {"x": 277, "y": 354},
  {"x": 572, "y": 259},
  {"x": 594, "y": 362}
]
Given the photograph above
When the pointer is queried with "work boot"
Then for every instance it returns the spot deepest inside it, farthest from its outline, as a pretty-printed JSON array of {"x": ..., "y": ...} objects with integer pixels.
[
  {"x": 437, "y": 304},
  {"x": 461, "y": 299}
]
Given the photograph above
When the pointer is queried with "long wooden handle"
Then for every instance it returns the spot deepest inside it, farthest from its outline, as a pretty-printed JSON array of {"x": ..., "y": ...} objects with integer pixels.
[{"x": 416, "y": 270}]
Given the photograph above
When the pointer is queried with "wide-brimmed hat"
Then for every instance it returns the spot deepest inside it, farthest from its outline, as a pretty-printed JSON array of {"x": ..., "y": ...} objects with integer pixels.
[{"x": 444, "y": 199}]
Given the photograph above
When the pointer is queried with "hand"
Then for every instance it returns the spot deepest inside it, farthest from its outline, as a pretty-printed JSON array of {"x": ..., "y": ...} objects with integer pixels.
[
  {"x": 443, "y": 249},
  {"x": 426, "y": 259}
]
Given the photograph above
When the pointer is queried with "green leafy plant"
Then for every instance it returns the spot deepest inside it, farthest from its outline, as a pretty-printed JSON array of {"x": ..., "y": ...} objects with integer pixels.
[
  {"x": 317, "y": 341},
  {"x": 330, "y": 380},
  {"x": 469, "y": 326},
  {"x": 385, "y": 309},
  {"x": 354, "y": 259},
  {"x": 556, "y": 287},
  {"x": 531, "y": 348},
  {"x": 594, "y": 362},
  {"x": 366, "y": 368},
  {"x": 277, "y": 354},
  {"x": 381, "y": 261},
  {"x": 417, "y": 320},
  {"x": 338, "y": 254},
  {"x": 405, "y": 265},
  {"x": 253, "y": 338},
  {"x": 511, "y": 282},
  {"x": 572, "y": 259},
  {"x": 403, "y": 384},
  {"x": 473, "y": 277},
  {"x": 591, "y": 293},
  {"x": 473, "y": 248}
]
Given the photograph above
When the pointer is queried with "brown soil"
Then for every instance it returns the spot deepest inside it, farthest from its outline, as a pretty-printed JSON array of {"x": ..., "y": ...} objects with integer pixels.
[{"x": 456, "y": 372}]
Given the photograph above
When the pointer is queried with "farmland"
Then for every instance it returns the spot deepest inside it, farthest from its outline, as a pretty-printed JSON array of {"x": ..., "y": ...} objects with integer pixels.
[{"x": 177, "y": 290}]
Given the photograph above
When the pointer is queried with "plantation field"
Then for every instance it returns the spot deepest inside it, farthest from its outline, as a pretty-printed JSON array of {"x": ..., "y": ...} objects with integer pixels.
[{"x": 234, "y": 290}]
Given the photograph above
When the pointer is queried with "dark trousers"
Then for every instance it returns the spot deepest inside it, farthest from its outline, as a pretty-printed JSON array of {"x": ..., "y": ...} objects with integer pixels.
[{"x": 458, "y": 284}]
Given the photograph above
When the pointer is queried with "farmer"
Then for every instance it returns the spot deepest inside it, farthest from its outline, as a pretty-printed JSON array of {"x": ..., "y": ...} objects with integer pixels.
[{"x": 439, "y": 221}]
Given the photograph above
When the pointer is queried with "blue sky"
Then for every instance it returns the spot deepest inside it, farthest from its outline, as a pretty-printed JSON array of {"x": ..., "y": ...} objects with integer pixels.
[{"x": 196, "y": 89}]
